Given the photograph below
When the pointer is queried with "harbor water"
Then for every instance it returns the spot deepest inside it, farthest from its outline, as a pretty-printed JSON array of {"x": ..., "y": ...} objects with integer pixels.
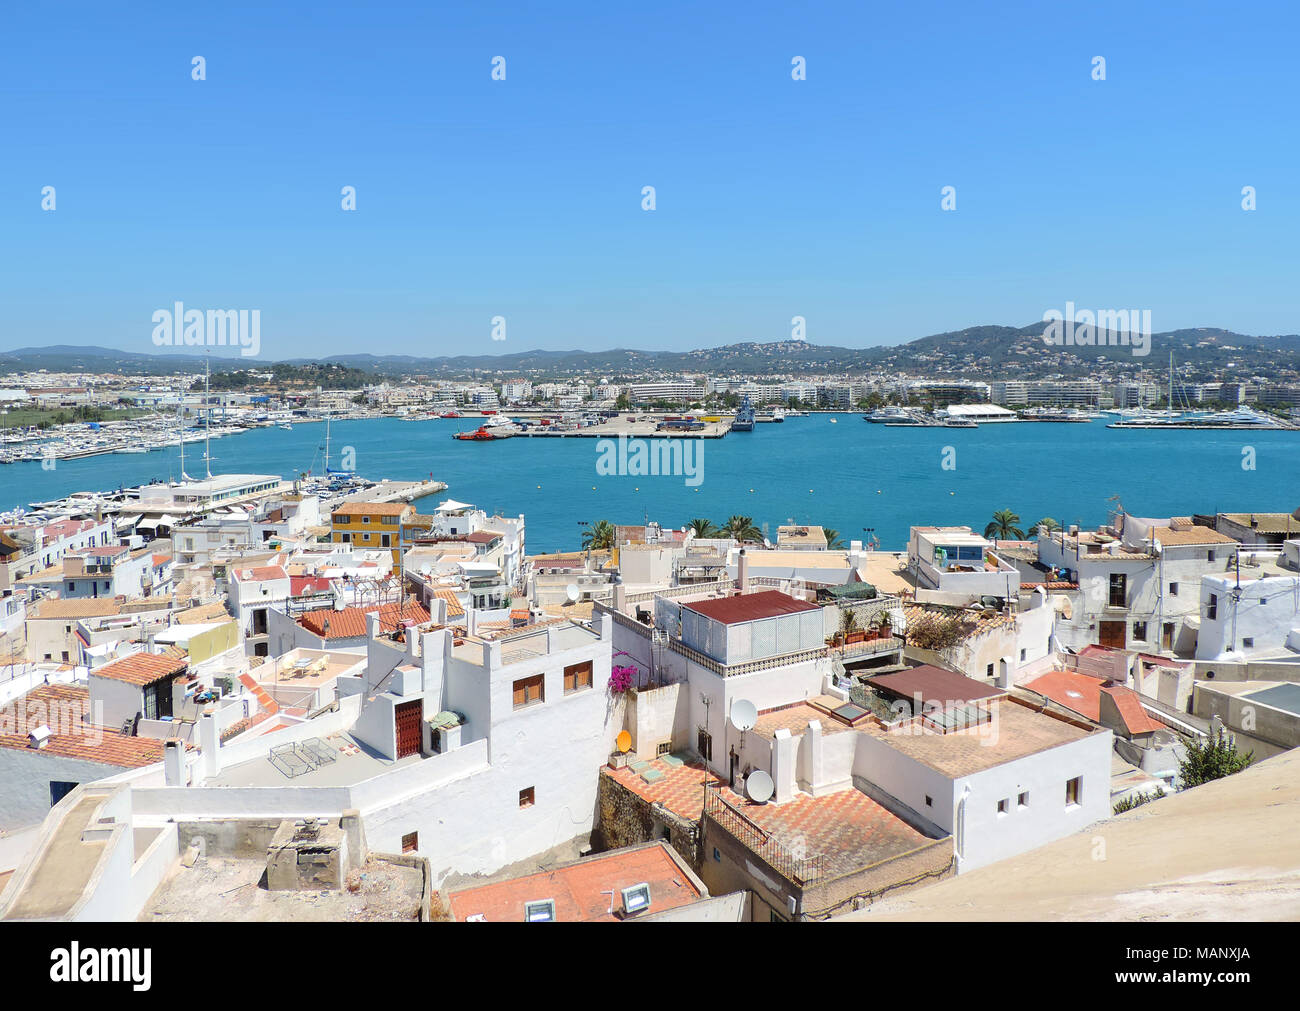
[{"x": 833, "y": 470}]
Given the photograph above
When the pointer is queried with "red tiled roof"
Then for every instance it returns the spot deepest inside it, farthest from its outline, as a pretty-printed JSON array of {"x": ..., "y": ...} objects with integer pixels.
[
  {"x": 455, "y": 608},
  {"x": 300, "y": 585},
  {"x": 260, "y": 573},
  {"x": 55, "y": 706},
  {"x": 1131, "y": 712},
  {"x": 142, "y": 668},
  {"x": 268, "y": 704},
  {"x": 350, "y": 623},
  {"x": 581, "y": 890},
  {"x": 371, "y": 509},
  {"x": 1081, "y": 693},
  {"x": 749, "y": 606},
  {"x": 482, "y": 537}
]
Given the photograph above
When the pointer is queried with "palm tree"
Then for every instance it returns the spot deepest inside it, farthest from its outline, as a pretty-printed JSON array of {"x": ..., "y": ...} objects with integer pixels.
[
  {"x": 833, "y": 542},
  {"x": 702, "y": 528},
  {"x": 598, "y": 536},
  {"x": 1003, "y": 526},
  {"x": 742, "y": 529},
  {"x": 1046, "y": 523}
]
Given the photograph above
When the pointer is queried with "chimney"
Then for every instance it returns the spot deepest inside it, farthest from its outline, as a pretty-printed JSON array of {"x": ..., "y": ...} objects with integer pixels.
[
  {"x": 742, "y": 571},
  {"x": 173, "y": 763},
  {"x": 620, "y": 596}
]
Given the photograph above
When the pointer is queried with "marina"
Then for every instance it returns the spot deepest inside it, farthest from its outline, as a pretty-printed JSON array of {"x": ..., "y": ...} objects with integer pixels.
[{"x": 850, "y": 475}]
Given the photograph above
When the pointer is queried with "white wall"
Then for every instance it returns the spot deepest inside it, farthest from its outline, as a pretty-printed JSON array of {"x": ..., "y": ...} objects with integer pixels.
[{"x": 989, "y": 836}]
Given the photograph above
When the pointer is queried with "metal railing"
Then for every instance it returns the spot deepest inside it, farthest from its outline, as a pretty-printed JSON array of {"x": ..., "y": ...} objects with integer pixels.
[{"x": 759, "y": 841}]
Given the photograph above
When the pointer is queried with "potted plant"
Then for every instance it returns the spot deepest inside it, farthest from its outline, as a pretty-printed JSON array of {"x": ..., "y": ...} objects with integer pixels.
[{"x": 886, "y": 626}]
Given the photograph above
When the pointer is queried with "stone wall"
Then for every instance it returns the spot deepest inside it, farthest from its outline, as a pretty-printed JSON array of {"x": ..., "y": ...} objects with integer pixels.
[{"x": 624, "y": 819}]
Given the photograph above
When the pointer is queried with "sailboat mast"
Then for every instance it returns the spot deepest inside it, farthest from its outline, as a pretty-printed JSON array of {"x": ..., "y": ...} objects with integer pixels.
[
  {"x": 207, "y": 415},
  {"x": 327, "y": 445}
]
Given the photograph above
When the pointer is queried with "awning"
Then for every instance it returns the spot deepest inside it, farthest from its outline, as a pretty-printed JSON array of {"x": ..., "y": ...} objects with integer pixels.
[
  {"x": 451, "y": 506},
  {"x": 128, "y": 520}
]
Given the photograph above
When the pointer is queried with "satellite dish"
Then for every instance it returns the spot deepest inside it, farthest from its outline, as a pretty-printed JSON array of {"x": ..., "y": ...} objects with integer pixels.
[
  {"x": 759, "y": 786},
  {"x": 572, "y": 592},
  {"x": 624, "y": 741},
  {"x": 744, "y": 714}
]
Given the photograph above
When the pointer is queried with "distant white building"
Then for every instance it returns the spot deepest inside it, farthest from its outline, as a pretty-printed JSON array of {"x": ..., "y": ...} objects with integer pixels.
[{"x": 1251, "y": 619}]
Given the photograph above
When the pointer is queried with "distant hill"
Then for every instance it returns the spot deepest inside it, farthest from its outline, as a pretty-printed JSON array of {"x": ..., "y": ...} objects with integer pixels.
[{"x": 978, "y": 352}]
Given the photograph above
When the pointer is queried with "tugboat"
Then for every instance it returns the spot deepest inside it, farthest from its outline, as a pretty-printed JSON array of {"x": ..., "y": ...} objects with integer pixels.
[
  {"x": 744, "y": 420},
  {"x": 482, "y": 435}
]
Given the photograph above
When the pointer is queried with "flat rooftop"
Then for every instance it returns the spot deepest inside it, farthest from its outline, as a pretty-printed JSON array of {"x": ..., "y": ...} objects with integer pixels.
[
  {"x": 354, "y": 763},
  {"x": 307, "y": 669},
  {"x": 1015, "y": 732},
  {"x": 846, "y": 830},
  {"x": 677, "y": 784},
  {"x": 796, "y": 718},
  {"x": 229, "y": 889}
]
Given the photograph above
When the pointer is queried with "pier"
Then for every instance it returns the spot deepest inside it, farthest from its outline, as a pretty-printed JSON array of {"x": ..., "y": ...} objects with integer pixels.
[{"x": 397, "y": 491}]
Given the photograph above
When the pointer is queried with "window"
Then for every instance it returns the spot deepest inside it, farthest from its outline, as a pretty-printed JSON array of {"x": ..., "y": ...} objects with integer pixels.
[
  {"x": 539, "y": 911},
  {"x": 1139, "y": 630},
  {"x": 1212, "y": 608},
  {"x": 529, "y": 691},
  {"x": 526, "y": 797},
  {"x": 410, "y": 842},
  {"x": 1004, "y": 807},
  {"x": 1173, "y": 589},
  {"x": 365, "y": 519},
  {"x": 664, "y": 748},
  {"x": 60, "y": 789},
  {"x": 704, "y": 744},
  {"x": 366, "y": 536},
  {"x": 1073, "y": 791},
  {"x": 1263, "y": 601},
  {"x": 929, "y": 801},
  {"x": 1118, "y": 589},
  {"x": 1247, "y": 643},
  {"x": 989, "y": 671},
  {"x": 577, "y": 677},
  {"x": 1023, "y": 654},
  {"x": 1209, "y": 555},
  {"x": 384, "y": 540},
  {"x": 717, "y": 857},
  {"x": 347, "y": 537},
  {"x": 1022, "y": 801}
]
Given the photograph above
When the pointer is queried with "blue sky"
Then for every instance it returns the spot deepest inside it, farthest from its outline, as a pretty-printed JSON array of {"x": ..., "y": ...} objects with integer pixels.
[{"x": 522, "y": 198}]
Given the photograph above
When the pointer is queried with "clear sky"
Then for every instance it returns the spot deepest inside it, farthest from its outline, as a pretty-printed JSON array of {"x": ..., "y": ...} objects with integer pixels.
[{"x": 523, "y": 198}]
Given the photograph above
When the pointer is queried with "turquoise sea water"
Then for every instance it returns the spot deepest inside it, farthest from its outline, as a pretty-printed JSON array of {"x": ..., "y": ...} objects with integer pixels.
[{"x": 847, "y": 475}]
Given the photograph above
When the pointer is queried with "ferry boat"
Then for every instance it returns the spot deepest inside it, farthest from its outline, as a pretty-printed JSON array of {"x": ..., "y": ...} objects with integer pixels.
[
  {"x": 1070, "y": 414},
  {"x": 884, "y": 415},
  {"x": 744, "y": 420},
  {"x": 778, "y": 414}
]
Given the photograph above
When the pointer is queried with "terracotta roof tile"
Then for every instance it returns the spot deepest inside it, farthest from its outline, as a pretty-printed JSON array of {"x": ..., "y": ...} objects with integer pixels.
[
  {"x": 350, "y": 623},
  {"x": 142, "y": 668},
  {"x": 56, "y": 706}
]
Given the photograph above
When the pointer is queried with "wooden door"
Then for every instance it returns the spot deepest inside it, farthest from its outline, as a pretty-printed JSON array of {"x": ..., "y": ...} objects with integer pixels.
[
  {"x": 1113, "y": 634},
  {"x": 407, "y": 717}
]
